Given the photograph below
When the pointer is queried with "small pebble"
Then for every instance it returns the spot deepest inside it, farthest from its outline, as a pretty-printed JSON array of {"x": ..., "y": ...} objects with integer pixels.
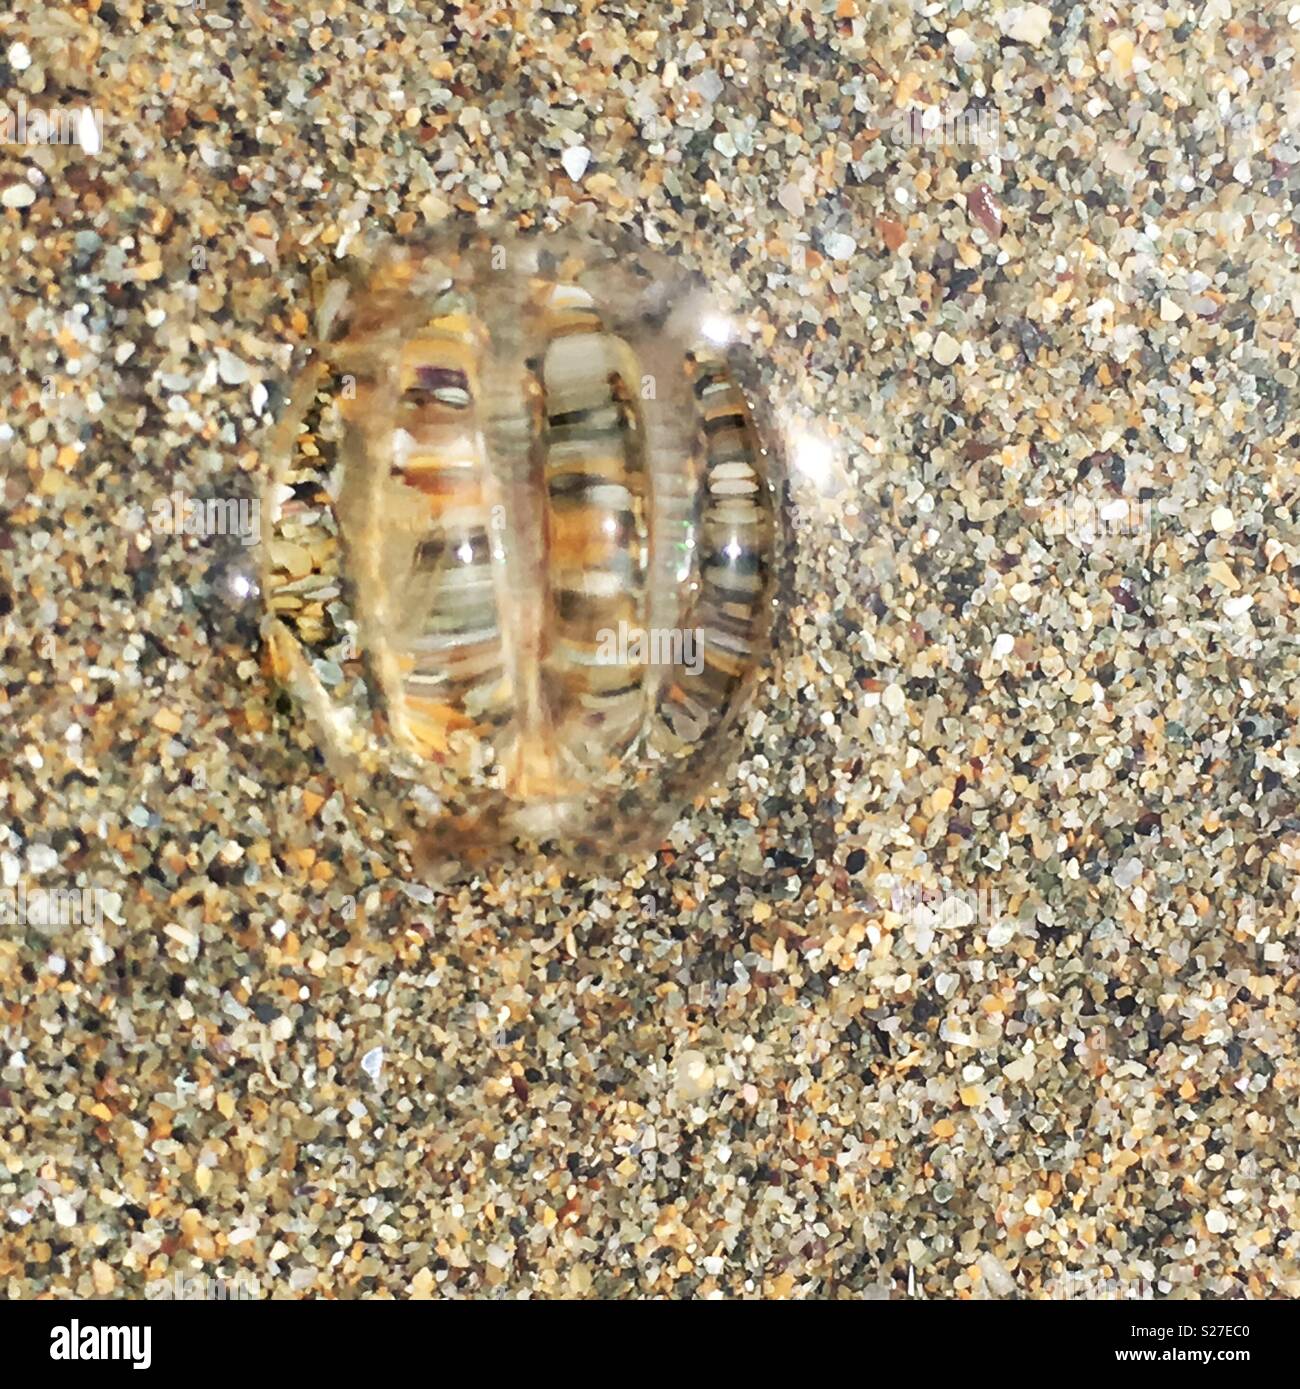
[
  {"x": 575, "y": 160},
  {"x": 693, "y": 1076},
  {"x": 1029, "y": 24},
  {"x": 946, "y": 349}
]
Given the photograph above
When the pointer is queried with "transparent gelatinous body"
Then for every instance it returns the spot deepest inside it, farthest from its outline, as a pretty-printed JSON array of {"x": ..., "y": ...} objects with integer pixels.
[{"x": 521, "y": 535}]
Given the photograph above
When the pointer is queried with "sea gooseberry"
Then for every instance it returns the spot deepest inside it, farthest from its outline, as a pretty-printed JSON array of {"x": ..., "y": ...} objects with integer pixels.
[{"x": 522, "y": 523}]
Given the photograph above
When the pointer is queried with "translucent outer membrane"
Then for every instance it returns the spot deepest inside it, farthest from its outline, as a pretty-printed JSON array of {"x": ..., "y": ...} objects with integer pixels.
[{"x": 522, "y": 536}]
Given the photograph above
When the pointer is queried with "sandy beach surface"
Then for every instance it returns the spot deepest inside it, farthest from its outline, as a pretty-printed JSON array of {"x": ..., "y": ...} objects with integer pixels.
[{"x": 975, "y": 975}]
